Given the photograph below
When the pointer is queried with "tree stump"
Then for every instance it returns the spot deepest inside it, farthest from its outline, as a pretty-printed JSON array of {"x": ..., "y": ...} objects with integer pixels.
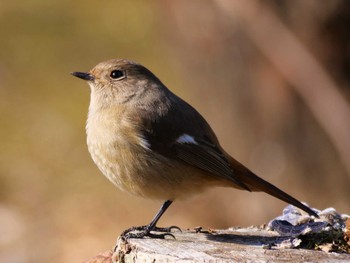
[{"x": 232, "y": 245}]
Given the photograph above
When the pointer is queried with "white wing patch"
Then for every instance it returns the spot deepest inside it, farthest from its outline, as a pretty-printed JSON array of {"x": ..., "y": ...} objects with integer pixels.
[
  {"x": 144, "y": 143},
  {"x": 185, "y": 138}
]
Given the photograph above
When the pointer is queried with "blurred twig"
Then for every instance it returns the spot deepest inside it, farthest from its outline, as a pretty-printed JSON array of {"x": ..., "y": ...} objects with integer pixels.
[{"x": 299, "y": 68}]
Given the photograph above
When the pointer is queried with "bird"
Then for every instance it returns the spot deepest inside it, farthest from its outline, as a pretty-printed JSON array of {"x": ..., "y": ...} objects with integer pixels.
[{"x": 151, "y": 143}]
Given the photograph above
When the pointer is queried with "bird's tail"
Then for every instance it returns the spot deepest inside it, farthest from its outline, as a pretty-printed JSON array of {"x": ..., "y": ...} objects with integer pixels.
[{"x": 255, "y": 183}]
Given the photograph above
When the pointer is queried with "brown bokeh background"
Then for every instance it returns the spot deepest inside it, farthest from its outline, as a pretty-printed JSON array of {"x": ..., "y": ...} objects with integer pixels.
[{"x": 271, "y": 77}]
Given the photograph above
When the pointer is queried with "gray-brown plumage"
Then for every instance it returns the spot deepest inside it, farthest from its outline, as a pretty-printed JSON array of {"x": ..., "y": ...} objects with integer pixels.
[{"x": 151, "y": 143}]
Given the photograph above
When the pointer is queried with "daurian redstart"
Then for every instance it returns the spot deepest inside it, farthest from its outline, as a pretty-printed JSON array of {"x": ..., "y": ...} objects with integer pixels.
[{"x": 151, "y": 143}]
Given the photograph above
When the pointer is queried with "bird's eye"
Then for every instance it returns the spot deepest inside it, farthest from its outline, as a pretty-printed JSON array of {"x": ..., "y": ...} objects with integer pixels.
[{"x": 117, "y": 74}]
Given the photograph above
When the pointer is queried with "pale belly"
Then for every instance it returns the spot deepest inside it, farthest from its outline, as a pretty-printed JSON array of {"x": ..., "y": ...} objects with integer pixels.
[{"x": 140, "y": 172}]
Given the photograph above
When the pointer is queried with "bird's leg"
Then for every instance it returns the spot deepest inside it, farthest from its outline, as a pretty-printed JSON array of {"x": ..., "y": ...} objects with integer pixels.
[{"x": 145, "y": 231}]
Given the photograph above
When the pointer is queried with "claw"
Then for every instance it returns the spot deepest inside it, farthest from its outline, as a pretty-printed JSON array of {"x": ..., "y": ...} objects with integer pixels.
[
  {"x": 167, "y": 229},
  {"x": 161, "y": 236},
  {"x": 145, "y": 231}
]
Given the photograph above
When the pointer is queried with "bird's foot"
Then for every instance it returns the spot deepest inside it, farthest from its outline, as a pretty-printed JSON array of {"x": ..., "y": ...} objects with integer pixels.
[{"x": 148, "y": 231}]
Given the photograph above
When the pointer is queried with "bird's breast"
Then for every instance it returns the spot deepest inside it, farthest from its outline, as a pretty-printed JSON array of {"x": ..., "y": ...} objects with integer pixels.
[{"x": 116, "y": 147}]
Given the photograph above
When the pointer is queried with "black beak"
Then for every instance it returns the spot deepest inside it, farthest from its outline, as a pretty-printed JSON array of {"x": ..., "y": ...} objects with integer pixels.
[{"x": 83, "y": 75}]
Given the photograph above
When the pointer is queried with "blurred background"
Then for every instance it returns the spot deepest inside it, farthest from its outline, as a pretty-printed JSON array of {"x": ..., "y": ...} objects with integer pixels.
[{"x": 271, "y": 77}]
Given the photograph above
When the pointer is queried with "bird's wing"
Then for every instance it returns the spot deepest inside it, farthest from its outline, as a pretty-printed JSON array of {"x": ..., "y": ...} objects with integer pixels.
[
  {"x": 206, "y": 156},
  {"x": 191, "y": 140}
]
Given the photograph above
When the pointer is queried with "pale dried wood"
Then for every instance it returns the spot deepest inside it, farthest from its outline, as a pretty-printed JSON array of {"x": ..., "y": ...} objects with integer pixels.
[{"x": 233, "y": 245}]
